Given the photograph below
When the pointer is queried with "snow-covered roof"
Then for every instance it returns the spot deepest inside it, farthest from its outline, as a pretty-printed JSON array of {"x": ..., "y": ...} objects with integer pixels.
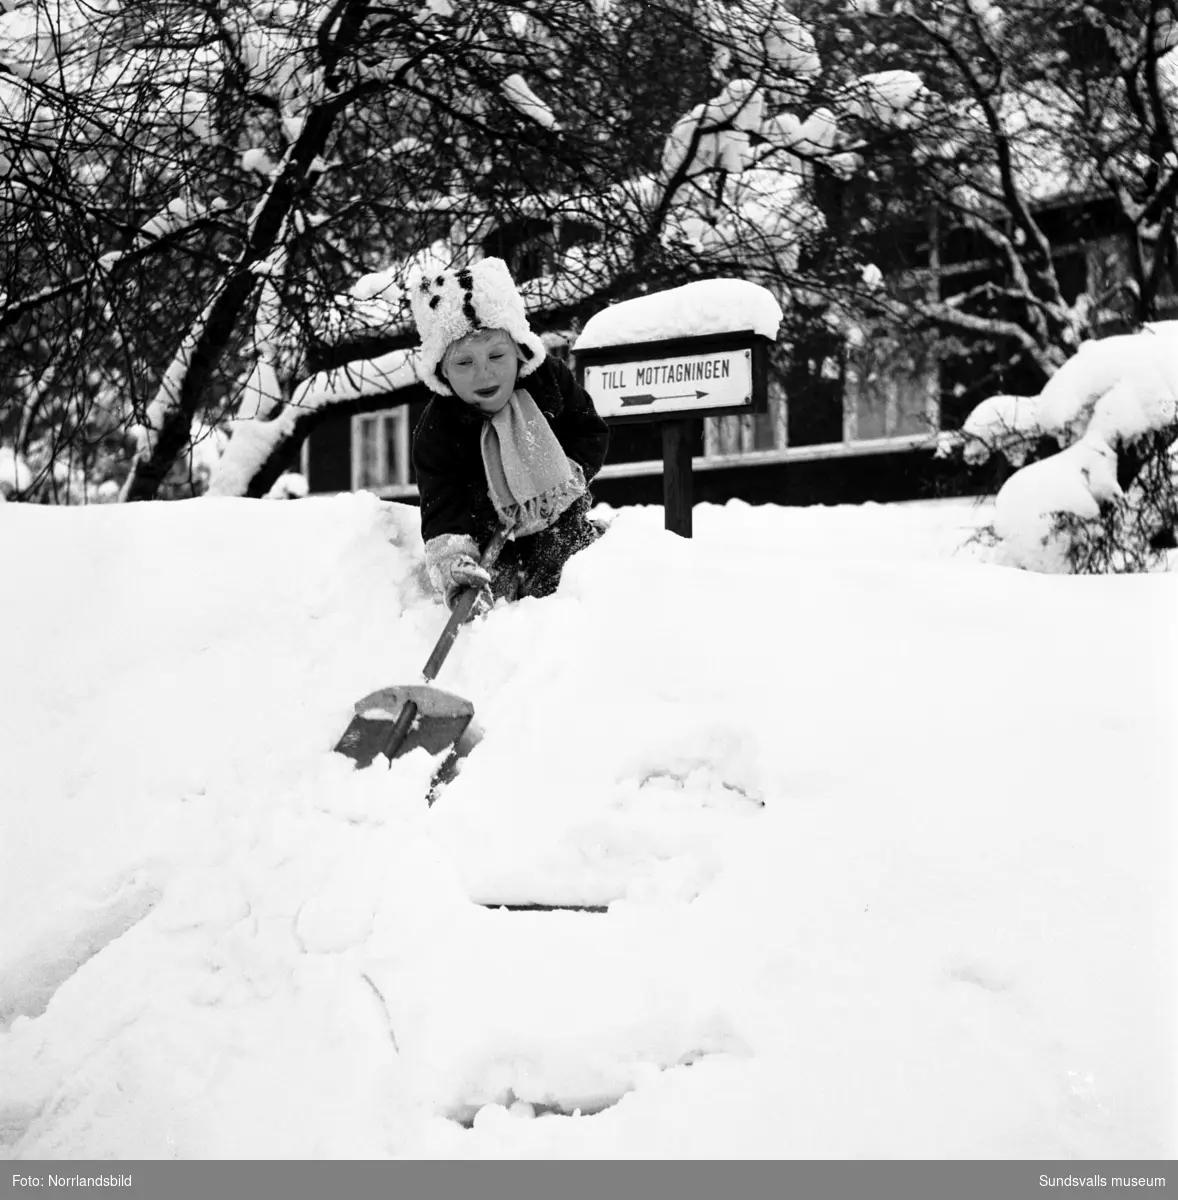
[{"x": 695, "y": 309}]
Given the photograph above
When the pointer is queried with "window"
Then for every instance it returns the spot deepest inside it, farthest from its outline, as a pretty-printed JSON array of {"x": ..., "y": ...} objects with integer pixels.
[
  {"x": 891, "y": 389},
  {"x": 813, "y": 382},
  {"x": 380, "y": 451},
  {"x": 750, "y": 432}
]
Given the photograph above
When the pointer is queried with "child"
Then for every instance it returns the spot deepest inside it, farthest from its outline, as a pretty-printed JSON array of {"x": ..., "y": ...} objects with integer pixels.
[{"x": 510, "y": 438}]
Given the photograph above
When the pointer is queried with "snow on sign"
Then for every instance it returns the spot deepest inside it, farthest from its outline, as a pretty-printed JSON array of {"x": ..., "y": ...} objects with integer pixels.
[
  {"x": 650, "y": 387},
  {"x": 680, "y": 377},
  {"x": 672, "y": 357}
]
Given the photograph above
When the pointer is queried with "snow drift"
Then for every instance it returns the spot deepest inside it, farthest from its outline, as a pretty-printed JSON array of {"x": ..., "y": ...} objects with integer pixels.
[{"x": 884, "y": 839}]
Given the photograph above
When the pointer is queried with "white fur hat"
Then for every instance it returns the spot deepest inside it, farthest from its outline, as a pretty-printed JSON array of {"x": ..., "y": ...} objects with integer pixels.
[{"x": 447, "y": 305}]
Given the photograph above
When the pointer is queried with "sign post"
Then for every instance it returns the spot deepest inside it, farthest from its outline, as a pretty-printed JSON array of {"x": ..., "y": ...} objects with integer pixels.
[
  {"x": 675, "y": 383},
  {"x": 677, "y": 478}
]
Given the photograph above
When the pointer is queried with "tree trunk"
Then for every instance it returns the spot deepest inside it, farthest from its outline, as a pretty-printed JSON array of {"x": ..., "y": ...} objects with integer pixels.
[{"x": 175, "y": 405}]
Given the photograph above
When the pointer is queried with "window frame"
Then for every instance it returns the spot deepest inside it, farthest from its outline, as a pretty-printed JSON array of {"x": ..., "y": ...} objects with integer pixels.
[{"x": 395, "y": 476}]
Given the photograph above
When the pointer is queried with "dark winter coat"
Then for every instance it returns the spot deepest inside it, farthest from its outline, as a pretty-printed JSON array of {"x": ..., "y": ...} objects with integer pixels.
[{"x": 448, "y": 459}]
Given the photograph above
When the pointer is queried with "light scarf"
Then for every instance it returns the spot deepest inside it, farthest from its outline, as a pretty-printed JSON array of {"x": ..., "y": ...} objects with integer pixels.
[{"x": 529, "y": 477}]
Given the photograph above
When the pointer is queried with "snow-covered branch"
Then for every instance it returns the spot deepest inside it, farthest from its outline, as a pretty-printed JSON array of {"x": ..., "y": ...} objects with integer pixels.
[
  {"x": 256, "y": 443},
  {"x": 943, "y": 312}
]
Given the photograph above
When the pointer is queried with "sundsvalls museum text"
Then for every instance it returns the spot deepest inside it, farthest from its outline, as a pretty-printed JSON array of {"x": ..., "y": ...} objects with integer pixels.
[{"x": 1100, "y": 1181}]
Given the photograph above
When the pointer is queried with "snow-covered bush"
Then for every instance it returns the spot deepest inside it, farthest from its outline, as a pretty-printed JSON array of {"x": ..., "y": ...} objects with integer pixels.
[
  {"x": 1007, "y": 425},
  {"x": 1107, "y": 501}
]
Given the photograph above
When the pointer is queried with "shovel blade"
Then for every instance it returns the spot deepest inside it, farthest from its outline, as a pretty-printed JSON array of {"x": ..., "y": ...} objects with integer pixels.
[{"x": 441, "y": 720}]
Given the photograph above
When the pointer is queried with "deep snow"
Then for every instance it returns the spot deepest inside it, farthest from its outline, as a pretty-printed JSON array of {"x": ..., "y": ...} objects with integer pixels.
[{"x": 887, "y": 836}]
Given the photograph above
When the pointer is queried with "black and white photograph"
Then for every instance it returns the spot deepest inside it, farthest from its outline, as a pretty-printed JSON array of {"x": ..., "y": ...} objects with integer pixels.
[{"x": 589, "y": 580}]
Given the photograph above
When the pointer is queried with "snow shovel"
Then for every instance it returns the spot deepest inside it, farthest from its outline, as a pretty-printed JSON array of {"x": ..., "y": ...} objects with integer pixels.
[{"x": 395, "y": 720}]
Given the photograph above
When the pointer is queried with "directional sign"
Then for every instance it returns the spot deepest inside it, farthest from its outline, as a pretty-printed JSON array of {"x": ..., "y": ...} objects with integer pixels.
[
  {"x": 674, "y": 382},
  {"x": 687, "y": 383}
]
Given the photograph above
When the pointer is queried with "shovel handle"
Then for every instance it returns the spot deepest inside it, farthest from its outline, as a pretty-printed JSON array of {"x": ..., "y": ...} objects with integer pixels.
[
  {"x": 399, "y": 731},
  {"x": 460, "y": 613}
]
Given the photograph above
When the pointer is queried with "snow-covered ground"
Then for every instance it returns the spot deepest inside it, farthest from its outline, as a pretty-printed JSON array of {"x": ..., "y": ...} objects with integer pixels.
[{"x": 886, "y": 836}]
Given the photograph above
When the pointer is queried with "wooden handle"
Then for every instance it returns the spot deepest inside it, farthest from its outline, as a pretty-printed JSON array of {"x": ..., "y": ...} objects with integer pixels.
[
  {"x": 460, "y": 613},
  {"x": 399, "y": 731}
]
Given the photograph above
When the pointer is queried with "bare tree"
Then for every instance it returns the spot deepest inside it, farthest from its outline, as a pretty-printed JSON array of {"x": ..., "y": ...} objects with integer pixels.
[
  {"x": 1049, "y": 154},
  {"x": 203, "y": 183},
  {"x": 213, "y": 206}
]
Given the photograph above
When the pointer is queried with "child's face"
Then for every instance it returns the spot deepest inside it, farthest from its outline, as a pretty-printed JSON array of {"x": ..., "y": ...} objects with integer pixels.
[{"x": 482, "y": 371}]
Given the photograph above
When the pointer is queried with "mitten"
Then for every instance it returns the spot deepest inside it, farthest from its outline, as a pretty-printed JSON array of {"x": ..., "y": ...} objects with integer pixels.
[{"x": 452, "y": 562}]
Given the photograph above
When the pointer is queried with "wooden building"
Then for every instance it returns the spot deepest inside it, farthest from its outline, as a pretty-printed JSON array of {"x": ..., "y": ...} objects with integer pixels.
[{"x": 845, "y": 424}]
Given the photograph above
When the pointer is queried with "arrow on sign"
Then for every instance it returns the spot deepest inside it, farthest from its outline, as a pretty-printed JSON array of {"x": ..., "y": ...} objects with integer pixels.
[{"x": 634, "y": 401}]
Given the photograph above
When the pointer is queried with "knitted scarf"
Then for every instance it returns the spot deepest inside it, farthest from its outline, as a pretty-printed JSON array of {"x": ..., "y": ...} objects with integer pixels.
[{"x": 529, "y": 477}]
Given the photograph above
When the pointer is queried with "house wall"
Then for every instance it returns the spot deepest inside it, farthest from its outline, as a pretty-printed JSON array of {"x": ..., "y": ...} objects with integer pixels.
[
  {"x": 328, "y": 457},
  {"x": 802, "y": 476},
  {"x": 874, "y": 442},
  {"x": 879, "y": 478}
]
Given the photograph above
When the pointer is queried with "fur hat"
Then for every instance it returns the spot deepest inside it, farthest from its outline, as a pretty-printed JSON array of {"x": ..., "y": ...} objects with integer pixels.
[{"x": 447, "y": 305}]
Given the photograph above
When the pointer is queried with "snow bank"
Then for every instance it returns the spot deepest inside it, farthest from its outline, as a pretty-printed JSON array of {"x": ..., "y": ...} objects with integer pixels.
[{"x": 886, "y": 871}]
